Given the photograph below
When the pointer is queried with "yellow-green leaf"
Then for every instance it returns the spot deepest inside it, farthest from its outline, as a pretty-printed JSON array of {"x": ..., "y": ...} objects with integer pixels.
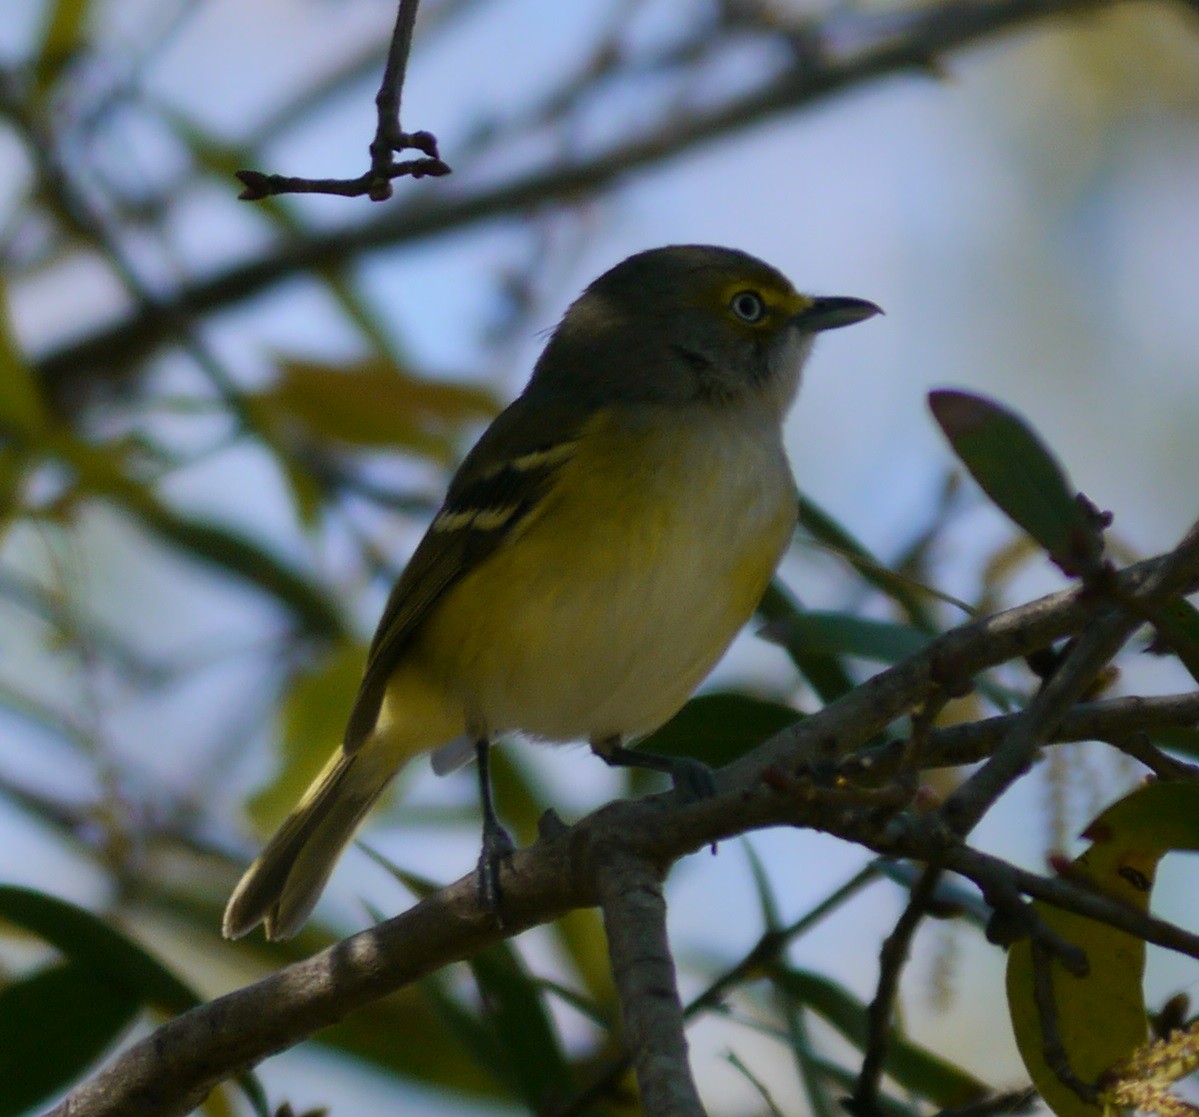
[
  {"x": 372, "y": 404},
  {"x": 1101, "y": 1017},
  {"x": 62, "y": 37},
  {"x": 313, "y": 721},
  {"x": 21, "y": 406}
]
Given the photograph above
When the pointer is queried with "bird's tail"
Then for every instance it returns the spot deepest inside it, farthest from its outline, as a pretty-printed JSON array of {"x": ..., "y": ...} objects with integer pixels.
[{"x": 282, "y": 886}]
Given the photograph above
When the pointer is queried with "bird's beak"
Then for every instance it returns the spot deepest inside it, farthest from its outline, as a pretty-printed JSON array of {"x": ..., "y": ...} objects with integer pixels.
[{"x": 831, "y": 312}]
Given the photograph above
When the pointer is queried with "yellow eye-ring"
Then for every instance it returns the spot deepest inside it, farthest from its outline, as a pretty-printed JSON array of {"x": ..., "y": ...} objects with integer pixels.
[{"x": 749, "y": 306}]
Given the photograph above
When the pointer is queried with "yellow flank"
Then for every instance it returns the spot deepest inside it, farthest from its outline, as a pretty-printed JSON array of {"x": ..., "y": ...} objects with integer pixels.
[{"x": 607, "y": 607}]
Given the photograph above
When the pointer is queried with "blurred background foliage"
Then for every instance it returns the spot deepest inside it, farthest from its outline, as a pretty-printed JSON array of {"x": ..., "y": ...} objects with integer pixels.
[{"x": 223, "y": 427}]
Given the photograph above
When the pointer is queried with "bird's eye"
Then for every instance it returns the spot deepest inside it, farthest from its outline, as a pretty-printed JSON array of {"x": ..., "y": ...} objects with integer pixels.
[{"x": 748, "y": 306}]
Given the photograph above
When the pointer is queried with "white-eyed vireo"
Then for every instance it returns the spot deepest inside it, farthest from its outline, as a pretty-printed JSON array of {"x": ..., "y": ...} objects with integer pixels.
[{"x": 596, "y": 553}]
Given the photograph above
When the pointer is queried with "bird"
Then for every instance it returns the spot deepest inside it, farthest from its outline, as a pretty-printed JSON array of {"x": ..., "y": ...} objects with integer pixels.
[{"x": 596, "y": 552}]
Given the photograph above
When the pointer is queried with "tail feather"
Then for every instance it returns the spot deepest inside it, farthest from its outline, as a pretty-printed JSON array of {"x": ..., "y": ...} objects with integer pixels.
[{"x": 283, "y": 885}]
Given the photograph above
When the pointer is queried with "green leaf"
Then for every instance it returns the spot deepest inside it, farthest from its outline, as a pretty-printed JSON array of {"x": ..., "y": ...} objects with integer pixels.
[
  {"x": 1177, "y": 624},
  {"x": 122, "y": 965},
  {"x": 86, "y": 939},
  {"x": 54, "y": 1024},
  {"x": 845, "y": 634},
  {"x": 419, "y": 1033},
  {"x": 767, "y": 902},
  {"x": 823, "y": 528},
  {"x": 824, "y": 672},
  {"x": 472, "y": 1036},
  {"x": 1019, "y": 473},
  {"x": 514, "y": 1009},
  {"x": 912, "y": 1066},
  {"x": 719, "y": 727}
]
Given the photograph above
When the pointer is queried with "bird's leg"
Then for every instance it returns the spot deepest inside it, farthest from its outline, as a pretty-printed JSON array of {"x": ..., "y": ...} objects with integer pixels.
[
  {"x": 497, "y": 842},
  {"x": 692, "y": 778}
]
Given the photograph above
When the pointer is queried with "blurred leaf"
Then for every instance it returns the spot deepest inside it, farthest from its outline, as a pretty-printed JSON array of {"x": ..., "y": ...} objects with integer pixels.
[
  {"x": 21, "y": 406},
  {"x": 372, "y": 404},
  {"x": 1101, "y": 1018},
  {"x": 110, "y": 472},
  {"x": 531, "y": 1051},
  {"x": 767, "y": 902},
  {"x": 828, "y": 678},
  {"x": 54, "y": 1024},
  {"x": 313, "y": 719},
  {"x": 581, "y": 935},
  {"x": 845, "y": 634},
  {"x": 232, "y": 552},
  {"x": 912, "y": 1066},
  {"x": 1178, "y": 738},
  {"x": 909, "y": 597},
  {"x": 1177, "y": 624},
  {"x": 472, "y": 1035},
  {"x": 716, "y": 728},
  {"x": 848, "y": 1081},
  {"x": 1019, "y": 473},
  {"x": 409, "y": 1035},
  {"x": 520, "y": 796},
  {"x": 63, "y": 36},
  {"x": 86, "y": 939},
  {"x": 122, "y": 965},
  {"x": 1002, "y": 565}
]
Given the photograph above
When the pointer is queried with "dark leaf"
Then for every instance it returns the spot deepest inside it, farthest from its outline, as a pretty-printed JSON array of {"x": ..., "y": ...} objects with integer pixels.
[
  {"x": 54, "y": 1024},
  {"x": 1020, "y": 474},
  {"x": 912, "y": 1066}
]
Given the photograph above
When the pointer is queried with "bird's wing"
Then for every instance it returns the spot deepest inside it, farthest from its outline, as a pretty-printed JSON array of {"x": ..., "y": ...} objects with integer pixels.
[{"x": 503, "y": 479}]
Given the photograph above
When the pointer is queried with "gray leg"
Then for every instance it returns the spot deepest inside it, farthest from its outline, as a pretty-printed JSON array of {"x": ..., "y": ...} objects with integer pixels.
[
  {"x": 497, "y": 842},
  {"x": 692, "y": 778}
]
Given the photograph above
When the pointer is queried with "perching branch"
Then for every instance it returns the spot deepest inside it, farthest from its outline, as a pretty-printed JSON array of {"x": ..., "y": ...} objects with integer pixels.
[
  {"x": 643, "y": 968},
  {"x": 390, "y": 137},
  {"x": 172, "y": 1070}
]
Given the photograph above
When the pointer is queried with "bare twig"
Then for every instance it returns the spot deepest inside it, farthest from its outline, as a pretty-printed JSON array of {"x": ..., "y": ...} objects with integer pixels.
[
  {"x": 1007, "y": 1104},
  {"x": 1114, "y": 720},
  {"x": 859, "y": 49},
  {"x": 635, "y": 920},
  {"x": 1052, "y": 1047},
  {"x": 389, "y": 138},
  {"x": 892, "y": 959},
  {"x": 1099, "y": 642},
  {"x": 1139, "y": 747}
]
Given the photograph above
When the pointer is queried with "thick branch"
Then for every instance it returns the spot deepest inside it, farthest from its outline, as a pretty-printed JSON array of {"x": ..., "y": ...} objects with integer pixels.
[
  {"x": 635, "y": 921},
  {"x": 1111, "y": 720},
  {"x": 849, "y": 50},
  {"x": 169, "y": 1072}
]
